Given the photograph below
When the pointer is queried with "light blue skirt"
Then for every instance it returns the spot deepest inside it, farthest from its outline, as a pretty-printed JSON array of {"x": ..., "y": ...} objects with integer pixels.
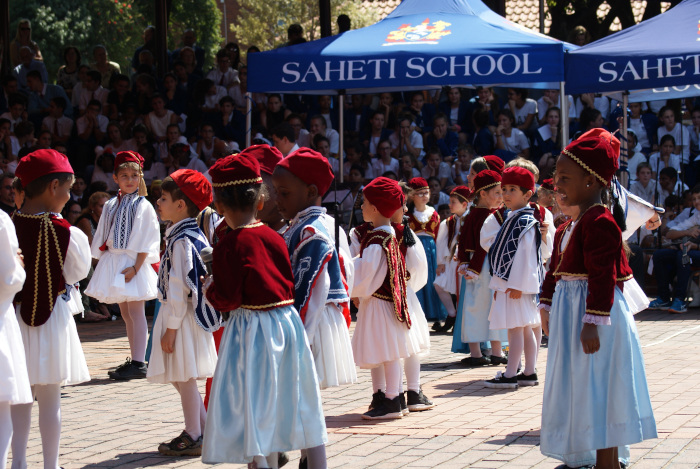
[
  {"x": 427, "y": 296},
  {"x": 265, "y": 395},
  {"x": 593, "y": 401},
  {"x": 472, "y": 322}
]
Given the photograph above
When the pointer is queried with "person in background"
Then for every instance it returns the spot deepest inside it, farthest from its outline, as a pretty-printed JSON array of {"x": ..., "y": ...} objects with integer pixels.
[
  {"x": 67, "y": 75},
  {"x": 23, "y": 38},
  {"x": 7, "y": 193},
  {"x": 108, "y": 70}
]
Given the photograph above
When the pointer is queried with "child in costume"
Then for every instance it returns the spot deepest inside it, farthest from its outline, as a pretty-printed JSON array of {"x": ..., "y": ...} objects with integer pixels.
[
  {"x": 127, "y": 243},
  {"x": 446, "y": 242},
  {"x": 184, "y": 350},
  {"x": 381, "y": 337},
  {"x": 56, "y": 257},
  {"x": 265, "y": 396},
  {"x": 475, "y": 294},
  {"x": 425, "y": 222},
  {"x": 14, "y": 381},
  {"x": 596, "y": 399},
  {"x": 321, "y": 297},
  {"x": 516, "y": 276}
]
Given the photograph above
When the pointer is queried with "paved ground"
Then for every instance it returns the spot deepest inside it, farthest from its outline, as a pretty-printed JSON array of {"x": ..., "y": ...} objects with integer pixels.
[{"x": 110, "y": 424}]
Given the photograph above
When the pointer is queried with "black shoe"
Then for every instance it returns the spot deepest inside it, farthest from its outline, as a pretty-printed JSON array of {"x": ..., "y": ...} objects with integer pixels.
[
  {"x": 123, "y": 366},
  {"x": 183, "y": 445},
  {"x": 473, "y": 362},
  {"x": 282, "y": 459},
  {"x": 404, "y": 407},
  {"x": 377, "y": 399},
  {"x": 527, "y": 380},
  {"x": 449, "y": 325},
  {"x": 496, "y": 360},
  {"x": 501, "y": 382},
  {"x": 437, "y": 325},
  {"x": 545, "y": 341},
  {"x": 389, "y": 409},
  {"x": 303, "y": 463},
  {"x": 133, "y": 371},
  {"x": 418, "y": 402}
]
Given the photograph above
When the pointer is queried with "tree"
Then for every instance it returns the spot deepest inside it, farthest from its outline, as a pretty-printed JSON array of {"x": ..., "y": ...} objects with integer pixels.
[{"x": 265, "y": 23}]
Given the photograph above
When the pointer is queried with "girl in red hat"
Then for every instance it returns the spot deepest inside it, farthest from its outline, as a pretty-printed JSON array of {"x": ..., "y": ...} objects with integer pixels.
[
  {"x": 596, "y": 399},
  {"x": 127, "y": 243}
]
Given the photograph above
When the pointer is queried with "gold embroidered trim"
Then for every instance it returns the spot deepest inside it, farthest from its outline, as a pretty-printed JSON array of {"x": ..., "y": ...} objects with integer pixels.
[
  {"x": 268, "y": 306},
  {"x": 584, "y": 166},
  {"x": 487, "y": 187},
  {"x": 546, "y": 300},
  {"x": 257, "y": 180},
  {"x": 457, "y": 194},
  {"x": 382, "y": 297},
  {"x": 624, "y": 279},
  {"x": 250, "y": 225},
  {"x": 597, "y": 313}
]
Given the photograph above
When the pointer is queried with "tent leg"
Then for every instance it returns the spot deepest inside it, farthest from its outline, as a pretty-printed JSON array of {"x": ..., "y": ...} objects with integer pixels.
[
  {"x": 624, "y": 143},
  {"x": 341, "y": 124},
  {"x": 248, "y": 119},
  {"x": 564, "y": 114}
]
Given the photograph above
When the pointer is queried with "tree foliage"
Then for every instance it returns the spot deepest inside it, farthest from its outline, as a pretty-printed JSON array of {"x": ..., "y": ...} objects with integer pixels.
[
  {"x": 117, "y": 24},
  {"x": 265, "y": 23}
]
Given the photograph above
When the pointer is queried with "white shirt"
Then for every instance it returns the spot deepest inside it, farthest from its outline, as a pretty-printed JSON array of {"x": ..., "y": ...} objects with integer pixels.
[
  {"x": 601, "y": 103},
  {"x": 82, "y": 123},
  {"x": 530, "y": 107},
  {"x": 657, "y": 164},
  {"x": 516, "y": 143},
  {"x": 444, "y": 171},
  {"x": 543, "y": 107},
  {"x": 682, "y": 137},
  {"x": 86, "y": 96},
  {"x": 381, "y": 168},
  {"x": 416, "y": 141},
  {"x": 64, "y": 126},
  {"x": 645, "y": 193},
  {"x": 632, "y": 164},
  {"x": 211, "y": 101},
  {"x": 225, "y": 79}
]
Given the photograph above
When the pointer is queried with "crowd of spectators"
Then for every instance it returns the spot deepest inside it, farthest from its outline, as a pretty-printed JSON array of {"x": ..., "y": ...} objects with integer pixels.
[{"x": 92, "y": 109}]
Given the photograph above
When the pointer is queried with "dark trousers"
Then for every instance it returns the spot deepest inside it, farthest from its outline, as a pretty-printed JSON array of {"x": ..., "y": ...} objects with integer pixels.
[{"x": 668, "y": 263}]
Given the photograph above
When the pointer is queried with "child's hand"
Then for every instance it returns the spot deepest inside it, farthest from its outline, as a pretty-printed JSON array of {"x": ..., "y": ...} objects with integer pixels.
[
  {"x": 544, "y": 227},
  {"x": 544, "y": 317},
  {"x": 129, "y": 273},
  {"x": 167, "y": 342},
  {"x": 440, "y": 269},
  {"x": 589, "y": 338},
  {"x": 356, "y": 302},
  {"x": 206, "y": 281},
  {"x": 514, "y": 294}
]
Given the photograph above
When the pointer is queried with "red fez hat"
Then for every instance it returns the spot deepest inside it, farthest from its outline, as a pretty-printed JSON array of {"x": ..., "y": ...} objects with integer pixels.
[
  {"x": 128, "y": 157},
  {"x": 267, "y": 156},
  {"x": 596, "y": 151},
  {"x": 40, "y": 163},
  {"x": 311, "y": 167},
  {"x": 548, "y": 184},
  {"x": 462, "y": 192},
  {"x": 235, "y": 169},
  {"x": 495, "y": 163},
  {"x": 485, "y": 180},
  {"x": 520, "y": 177},
  {"x": 417, "y": 183},
  {"x": 195, "y": 186},
  {"x": 385, "y": 194}
]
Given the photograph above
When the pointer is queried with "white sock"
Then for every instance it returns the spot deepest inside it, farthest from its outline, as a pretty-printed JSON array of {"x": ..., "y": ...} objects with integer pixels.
[
  {"x": 531, "y": 349},
  {"x": 516, "y": 344},
  {"x": 139, "y": 330},
  {"x": 411, "y": 366},
  {"x": 446, "y": 300},
  {"x": 5, "y": 433},
  {"x": 273, "y": 460},
  {"x": 21, "y": 423},
  {"x": 378, "y": 379},
  {"x": 191, "y": 404},
  {"x": 393, "y": 378},
  {"x": 316, "y": 457},
  {"x": 124, "y": 309},
  {"x": 48, "y": 396},
  {"x": 260, "y": 462}
]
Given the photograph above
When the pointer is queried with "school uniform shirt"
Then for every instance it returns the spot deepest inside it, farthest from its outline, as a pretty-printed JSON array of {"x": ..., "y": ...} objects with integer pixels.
[
  {"x": 601, "y": 103},
  {"x": 102, "y": 122},
  {"x": 13, "y": 121},
  {"x": 645, "y": 193},
  {"x": 63, "y": 126},
  {"x": 662, "y": 193},
  {"x": 543, "y": 107},
  {"x": 381, "y": 168},
  {"x": 682, "y": 137},
  {"x": 516, "y": 143},
  {"x": 681, "y": 217},
  {"x": 444, "y": 171},
  {"x": 657, "y": 164},
  {"x": 225, "y": 79},
  {"x": 530, "y": 107},
  {"x": 633, "y": 162},
  {"x": 86, "y": 96},
  {"x": 416, "y": 141}
]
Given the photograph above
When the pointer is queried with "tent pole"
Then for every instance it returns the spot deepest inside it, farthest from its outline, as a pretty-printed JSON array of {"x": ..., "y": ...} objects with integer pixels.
[
  {"x": 625, "y": 144},
  {"x": 564, "y": 100},
  {"x": 248, "y": 118},
  {"x": 341, "y": 124}
]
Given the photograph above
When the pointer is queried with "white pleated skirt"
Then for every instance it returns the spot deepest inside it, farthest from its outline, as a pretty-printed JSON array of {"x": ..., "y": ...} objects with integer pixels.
[
  {"x": 593, "y": 401},
  {"x": 107, "y": 284},
  {"x": 193, "y": 356},
  {"x": 14, "y": 380},
  {"x": 508, "y": 313},
  {"x": 332, "y": 349},
  {"x": 419, "y": 325},
  {"x": 475, "y": 300},
  {"x": 53, "y": 350},
  {"x": 265, "y": 395},
  {"x": 448, "y": 279},
  {"x": 379, "y": 336}
]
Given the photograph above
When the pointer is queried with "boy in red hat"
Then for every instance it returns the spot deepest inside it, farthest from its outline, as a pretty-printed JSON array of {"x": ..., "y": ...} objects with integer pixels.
[
  {"x": 300, "y": 180},
  {"x": 516, "y": 276},
  {"x": 56, "y": 257},
  {"x": 127, "y": 243},
  {"x": 184, "y": 347},
  {"x": 381, "y": 337}
]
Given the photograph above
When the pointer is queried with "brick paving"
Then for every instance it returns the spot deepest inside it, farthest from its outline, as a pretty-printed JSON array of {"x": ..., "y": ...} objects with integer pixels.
[{"x": 120, "y": 424}]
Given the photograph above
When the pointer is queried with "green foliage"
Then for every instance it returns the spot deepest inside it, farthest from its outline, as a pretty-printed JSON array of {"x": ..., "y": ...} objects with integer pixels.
[
  {"x": 265, "y": 23},
  {"x": 117, "y": 24}
]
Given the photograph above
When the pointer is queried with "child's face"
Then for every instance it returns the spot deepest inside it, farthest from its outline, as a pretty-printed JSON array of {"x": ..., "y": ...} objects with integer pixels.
[
  {"x": 696, "y": 118},
  {"x": 54, "y": 110},
  {"x": 457, "y": 206},
  {"x": 226, "y": 108},
  {"x": 407, "y": 163},
  {"x": 666, "y": 148},
  {"x": 696, "y": 200},
  {"x": 324, "y": 148},
  {"x": 570, "y": 182},
  {"x": 644, "y": 175},
  {"x": 420, "y": 198},
  {"x": 78, "y": 186},
  {"x": 293, "y": 195},
  {"x": 666, "y": 183},
  {"x": 669, "y": 119},
  {"x": 492, "y": 198},
  {"x": 16, "y": 110},
  {"x": 128, "y": 180},
  {"x": 470, "y": 178},
  {"x": 434, "y": 161},
  {"x": 514, "y": 198},
  {"x": 434, "y": 187},
  {"x": 58, "y": 195},
  {"x": 465, "y": 158},
  {"x": 169, "y": 209}
]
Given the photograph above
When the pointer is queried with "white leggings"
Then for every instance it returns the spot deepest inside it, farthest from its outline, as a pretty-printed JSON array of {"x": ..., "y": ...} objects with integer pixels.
[
  {"x": 192, "y": 408},
  {"x": 5, "y": 432},
  {"x": 49, "y": 398},
  {"x": 134, "y": 315},
  {"x": 387, "y": 377}
]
